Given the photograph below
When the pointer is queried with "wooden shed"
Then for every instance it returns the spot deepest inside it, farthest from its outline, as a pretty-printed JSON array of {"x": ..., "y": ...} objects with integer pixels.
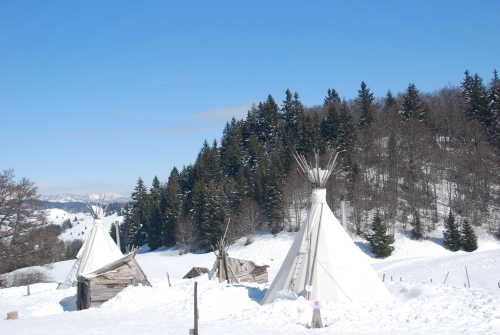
[
  {"x": 236, "y": 270},
  {"x": 103, "y": 284},
  {"x": 195, "y": 272}
]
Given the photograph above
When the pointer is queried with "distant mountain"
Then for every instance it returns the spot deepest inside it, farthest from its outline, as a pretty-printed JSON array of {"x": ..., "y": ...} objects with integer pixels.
[{"x": 84, "y": 198}]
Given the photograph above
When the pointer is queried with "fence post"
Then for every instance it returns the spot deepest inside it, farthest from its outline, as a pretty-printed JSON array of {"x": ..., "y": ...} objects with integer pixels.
[
  {"x": 194, "y": 331},
  {"x": 446, "y": 277},
  {"x": 467, "y": 273}
]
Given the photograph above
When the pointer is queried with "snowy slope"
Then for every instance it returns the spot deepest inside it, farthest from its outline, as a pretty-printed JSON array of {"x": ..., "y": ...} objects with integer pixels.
[
  {"x": 418, "y": 307},
  {"x": 90, "y": 197},
  {"x": 82, "y": 222}
]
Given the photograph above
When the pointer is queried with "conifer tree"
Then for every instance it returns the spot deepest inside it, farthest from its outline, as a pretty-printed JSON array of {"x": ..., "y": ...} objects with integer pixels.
[
  {"x": 390, "y": 102},
  {"x": 365, "y": 101},
  {"x": 208, "y": 213},
  {"x": 380, "y": 240},
  {"x": 469, "y": 239},
  {"x": 494, "y": 109},
  {"x": 310, "y": 135},
  {"x": 292, "y": 111},
  {"x": 345, "y": 130},
  {"x": 232, "y": 148},
  {"x": 170, "y": 207},
  {"x": 451, "y": 234},
  {"x": 139, "y": 213},
  {"x": 271, "y": 194},
  {"x": 475, "y": 99},
  {"x": 418, "y": 229},
  {"x": 268, "y": 119},
  {"x": 329, "y": 126},
  {"x": 332, "y": 97},
  {"x": 413, "y": 107},
  {"x": 127, "y": 231},
  {"x": 155, "y": 224}
]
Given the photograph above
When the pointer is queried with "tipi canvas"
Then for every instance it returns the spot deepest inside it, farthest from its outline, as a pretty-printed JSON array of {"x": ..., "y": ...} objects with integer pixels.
[
  {"x": 98, "y": 250},
  {"x": 323, "y": 263}
]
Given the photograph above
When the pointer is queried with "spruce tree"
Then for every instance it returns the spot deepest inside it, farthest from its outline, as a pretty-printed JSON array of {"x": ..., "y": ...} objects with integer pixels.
[
  {"x": 380, "y": 240},
  {"x": 271, "y": 179},
  {"x": 451, "y": 234},
  {"x": 412, "y": 106},
  {"x": 268, "y": 120},
  {"x": 469, "y": 239},
  {"x": 170, "y": 207},
  {"x": 475, "y": 99},
  {"x": 365, "y": 104},
  {"x": 155, "y": 224},
  {"x": 329, "y": 126},
  {"x": 139, "y": 215},
  {"x": 494, "y": 110},
  {"x": 390, "y": 102},
  {"x": 345, "y": 130},
  {"x": 231, "y": 149},
  {"x": 418, "y": 229},
  {"x": 208, "y": 213},
  {"x": 332, "y": 97},
  {"x": 310, "y": 135},
  {"x": 292, "y": 111}
]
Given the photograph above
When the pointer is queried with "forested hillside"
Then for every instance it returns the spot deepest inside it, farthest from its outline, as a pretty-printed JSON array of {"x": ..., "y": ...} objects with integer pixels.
[{"x": 410, "y": 157}]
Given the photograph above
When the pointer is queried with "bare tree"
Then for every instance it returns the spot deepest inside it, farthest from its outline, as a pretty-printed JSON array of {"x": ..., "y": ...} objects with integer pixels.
[
  {"x": 18, "y": 206},
  {"x": 19, "y": 215}
]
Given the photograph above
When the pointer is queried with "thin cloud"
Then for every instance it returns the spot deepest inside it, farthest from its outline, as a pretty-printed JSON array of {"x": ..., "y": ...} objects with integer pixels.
[
  {"x": 96, "y": 132},
  {"x": 170, "y": 130},
  {"x": 226, "y": 113},
  {"x": 147, "y": 131}
]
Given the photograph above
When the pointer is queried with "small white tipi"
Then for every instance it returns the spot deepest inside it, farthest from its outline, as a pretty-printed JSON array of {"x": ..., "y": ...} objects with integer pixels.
[
  {"x": 323, "y": 263},
  {"x": 98, "y": 250}
]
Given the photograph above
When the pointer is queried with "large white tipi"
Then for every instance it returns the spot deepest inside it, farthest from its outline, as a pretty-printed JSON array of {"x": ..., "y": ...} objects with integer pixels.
[
  {"x": 98, "y": 250},
  {"x": 324, "y": 264}
]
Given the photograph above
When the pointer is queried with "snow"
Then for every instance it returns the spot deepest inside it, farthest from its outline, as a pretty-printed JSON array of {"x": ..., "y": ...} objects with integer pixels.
[
  {"x": 418, "y": 306},
  {"x": 85, "y": 198},
  {"x": 98, "y": 250},
  {"x": 83, "y": 224},
  {"x": 309, "y": 263}
]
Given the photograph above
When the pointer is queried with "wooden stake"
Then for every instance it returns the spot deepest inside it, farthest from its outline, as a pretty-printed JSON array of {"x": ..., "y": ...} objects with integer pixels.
[
  {"x": 316, "y": 318},
  {"x": 383, "y": 277},
  {"x": 446, "y": 277},
  {"x": 467, "y": 274},
  {"x": 194, "y": 331},
  {"x": 28, "y": 292},
  {"x": 168, "y": 278}
]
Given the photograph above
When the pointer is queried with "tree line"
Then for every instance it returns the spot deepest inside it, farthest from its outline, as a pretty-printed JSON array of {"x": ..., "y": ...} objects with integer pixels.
[{"x": 410, "y": 157}]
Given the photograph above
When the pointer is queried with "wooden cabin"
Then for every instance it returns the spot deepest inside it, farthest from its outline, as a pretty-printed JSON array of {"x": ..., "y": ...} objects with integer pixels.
[{"x": 105, "y": 283}]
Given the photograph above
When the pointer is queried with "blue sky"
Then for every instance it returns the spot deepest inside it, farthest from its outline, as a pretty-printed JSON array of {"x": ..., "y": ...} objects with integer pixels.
[{"x": 94, "y": 94}]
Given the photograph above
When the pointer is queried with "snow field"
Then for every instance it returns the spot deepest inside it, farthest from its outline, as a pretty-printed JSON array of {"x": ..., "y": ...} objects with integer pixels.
[
  {"x": 82, "y": 226},
  {"x": 417, "y": 307}
]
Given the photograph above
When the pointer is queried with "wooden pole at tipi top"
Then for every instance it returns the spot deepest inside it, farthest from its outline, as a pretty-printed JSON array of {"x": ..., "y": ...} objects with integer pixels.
[
  {"x": 342, "y": 205},
  {"x": 117, "y": 233}
]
